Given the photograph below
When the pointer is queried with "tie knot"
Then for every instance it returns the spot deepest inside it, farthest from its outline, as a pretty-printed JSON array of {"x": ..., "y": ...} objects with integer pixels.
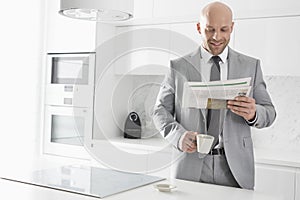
[{"x": 216, "y": 59}]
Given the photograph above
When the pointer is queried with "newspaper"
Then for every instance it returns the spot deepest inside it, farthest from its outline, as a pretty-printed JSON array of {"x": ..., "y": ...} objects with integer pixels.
[{"x": 214, "y": 94}]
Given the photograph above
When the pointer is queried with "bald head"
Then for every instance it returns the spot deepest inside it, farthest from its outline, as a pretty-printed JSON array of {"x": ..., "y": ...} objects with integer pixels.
[
  {"x": 215, "y": 27},
  {"x": 216, "y": 10}
]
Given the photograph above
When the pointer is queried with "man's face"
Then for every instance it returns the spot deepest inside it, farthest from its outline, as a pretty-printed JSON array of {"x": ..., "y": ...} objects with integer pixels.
[{"x": 215, "y": 32}]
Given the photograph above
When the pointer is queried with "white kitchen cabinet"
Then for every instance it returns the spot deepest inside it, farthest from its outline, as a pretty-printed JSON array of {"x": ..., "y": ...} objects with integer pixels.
[
  {"x": 160, "y": 163},
  {"x": 242, "y": 9},
  {"x": 65, "y": 34},
  {"x": 188, "y": 29},
  {"x": 151, "y": 47},
  {"x": 142, "y": 50},
  {"x": 275, "y": 41},
  {"x": 142, "y": 9},
  {"x": 184, "y": 39},
  {"x": 297, "y": 186},
  {"x": 275, "y": 180},
  {"x": 263, "y": 8},
  {"x": 156, "y": 151},
  {"x": 178, "y": 8}
]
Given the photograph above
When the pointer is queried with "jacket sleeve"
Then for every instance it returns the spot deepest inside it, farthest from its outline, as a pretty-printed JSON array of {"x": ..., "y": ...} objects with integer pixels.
[
  {"x": 265, "y": 110},
  {"x": 164, "y": 110}
]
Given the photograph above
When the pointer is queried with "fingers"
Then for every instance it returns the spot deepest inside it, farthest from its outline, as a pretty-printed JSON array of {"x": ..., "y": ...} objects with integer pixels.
[
  {"x": 243, "y": 106},
  {"x": 189, "y": 142},
  {"x": 244, "y": 99},
  {"x": 248, "y": 115}
]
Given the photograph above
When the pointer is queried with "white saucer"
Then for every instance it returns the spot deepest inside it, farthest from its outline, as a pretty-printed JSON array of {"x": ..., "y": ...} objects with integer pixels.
[{"x": 164, "y": 187}]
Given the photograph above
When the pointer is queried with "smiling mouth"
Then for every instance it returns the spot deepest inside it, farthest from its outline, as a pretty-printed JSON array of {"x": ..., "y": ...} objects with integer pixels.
[{"x": 216, "y": 44}]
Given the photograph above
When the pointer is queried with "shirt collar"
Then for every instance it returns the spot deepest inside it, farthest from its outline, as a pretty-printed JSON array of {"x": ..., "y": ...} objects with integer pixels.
[{"x": 206, "y": 56}]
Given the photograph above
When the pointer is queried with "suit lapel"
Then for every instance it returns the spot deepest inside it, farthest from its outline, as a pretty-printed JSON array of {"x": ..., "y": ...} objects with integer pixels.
[
  {"x": 234, "y": 65},
  {"x": 194, "y": 70}
]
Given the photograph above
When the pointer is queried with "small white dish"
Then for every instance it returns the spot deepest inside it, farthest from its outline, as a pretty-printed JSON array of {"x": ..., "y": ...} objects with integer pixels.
[{"x": 164, "y": 187}]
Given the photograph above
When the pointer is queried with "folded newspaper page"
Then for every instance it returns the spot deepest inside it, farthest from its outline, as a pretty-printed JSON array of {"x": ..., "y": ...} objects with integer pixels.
[{"x": 214, "y": 94}]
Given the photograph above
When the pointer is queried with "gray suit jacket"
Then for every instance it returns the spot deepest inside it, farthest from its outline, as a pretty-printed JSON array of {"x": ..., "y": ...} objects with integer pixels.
[{"x": 172, "y": 120}]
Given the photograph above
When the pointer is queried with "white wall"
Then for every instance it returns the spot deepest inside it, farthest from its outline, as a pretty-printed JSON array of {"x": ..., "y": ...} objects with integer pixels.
[{"x": 21, "y": 50}]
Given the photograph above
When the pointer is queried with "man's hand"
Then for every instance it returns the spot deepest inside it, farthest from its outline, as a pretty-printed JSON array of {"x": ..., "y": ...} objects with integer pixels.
[
  {"x": 187, "y": 142},
  {"x": 243, "y": 106}
]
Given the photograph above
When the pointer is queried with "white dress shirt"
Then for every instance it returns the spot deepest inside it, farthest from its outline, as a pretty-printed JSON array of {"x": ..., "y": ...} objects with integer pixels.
[{"x": 206, "y": 64}]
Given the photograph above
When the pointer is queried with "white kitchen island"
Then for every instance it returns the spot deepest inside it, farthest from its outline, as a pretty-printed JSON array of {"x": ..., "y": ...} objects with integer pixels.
[
  {"x": 186, "y": 190},
  {"x": 281, "y": 182}
]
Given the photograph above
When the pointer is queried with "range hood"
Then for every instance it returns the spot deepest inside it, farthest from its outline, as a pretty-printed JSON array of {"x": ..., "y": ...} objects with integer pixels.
[{"x": 97, "y": 10}]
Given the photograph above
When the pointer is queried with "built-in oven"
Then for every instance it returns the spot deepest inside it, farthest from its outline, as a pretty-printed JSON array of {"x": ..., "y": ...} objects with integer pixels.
[{"x": 68, "y": 112}]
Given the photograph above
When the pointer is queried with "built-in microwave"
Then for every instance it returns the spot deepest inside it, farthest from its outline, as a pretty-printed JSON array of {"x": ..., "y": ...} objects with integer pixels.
[{"x": 70, "y": 79}]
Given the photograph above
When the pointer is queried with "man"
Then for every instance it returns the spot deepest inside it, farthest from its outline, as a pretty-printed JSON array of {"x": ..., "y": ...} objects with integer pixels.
[{"x": 230, "y": 162}]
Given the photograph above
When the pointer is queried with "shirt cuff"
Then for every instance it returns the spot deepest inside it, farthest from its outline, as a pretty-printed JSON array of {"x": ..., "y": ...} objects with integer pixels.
[{"x": 252, "y": 122}]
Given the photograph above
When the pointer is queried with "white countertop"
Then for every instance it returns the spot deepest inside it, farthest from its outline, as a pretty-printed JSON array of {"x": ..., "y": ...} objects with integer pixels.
[
  {"x": 185, "y": 190},
  {"x": 194, "y": 190}
]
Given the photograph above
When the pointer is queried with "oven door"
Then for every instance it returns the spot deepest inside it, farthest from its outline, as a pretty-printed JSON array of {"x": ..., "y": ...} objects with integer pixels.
[{"x": 65, "y": 128}]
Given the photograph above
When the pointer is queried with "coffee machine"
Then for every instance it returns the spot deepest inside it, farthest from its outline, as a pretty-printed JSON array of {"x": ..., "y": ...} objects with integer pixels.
[{"x": 132, "y": 129}]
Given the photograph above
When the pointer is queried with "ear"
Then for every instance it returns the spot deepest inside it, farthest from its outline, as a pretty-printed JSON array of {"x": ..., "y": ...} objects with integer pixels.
[
  {"x": 232, "y": 25},
  {"x": 198, "y": 27}
]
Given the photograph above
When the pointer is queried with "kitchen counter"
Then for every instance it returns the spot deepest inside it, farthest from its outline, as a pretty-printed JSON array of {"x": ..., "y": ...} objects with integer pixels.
[
  {"x": 185, "y": 190},
  {"x": 281, "y": 157}
]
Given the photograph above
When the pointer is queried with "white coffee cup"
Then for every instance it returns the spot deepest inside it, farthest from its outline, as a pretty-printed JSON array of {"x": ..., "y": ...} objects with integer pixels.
[{"x": 204, "y": 143}]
